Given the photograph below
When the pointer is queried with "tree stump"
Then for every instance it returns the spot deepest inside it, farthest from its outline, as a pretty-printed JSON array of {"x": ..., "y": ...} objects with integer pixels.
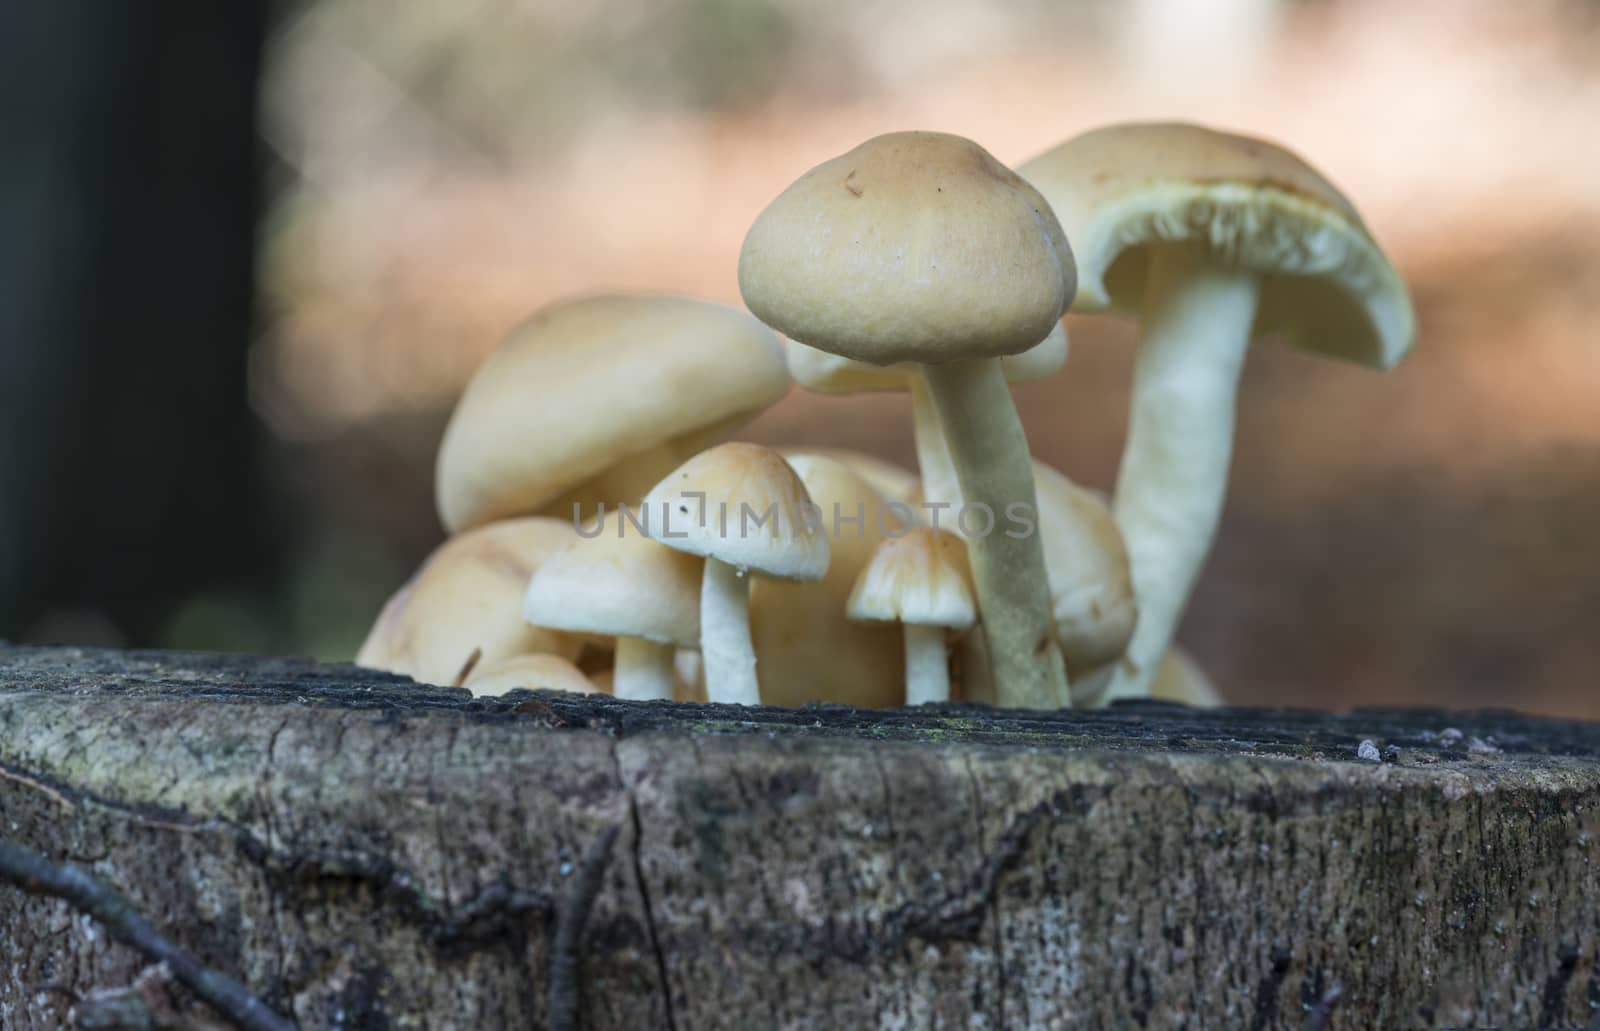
[{"x": 363, "y": 852}]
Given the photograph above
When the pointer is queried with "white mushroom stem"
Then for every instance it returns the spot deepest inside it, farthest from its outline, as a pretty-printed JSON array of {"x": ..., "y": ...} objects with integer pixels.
[
  {"x": 725, "y": 646},
  {"x": 990, "y": 453},
  {"x": 643, "y": 670},
  {"x": 927, "y": 665},
  {"x": 1195, "y": 332},
  {"x": 939, "y": 482}
]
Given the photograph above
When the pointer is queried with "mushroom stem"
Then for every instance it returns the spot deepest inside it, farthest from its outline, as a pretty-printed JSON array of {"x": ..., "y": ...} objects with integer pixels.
[
  {"x": 939, "y": 482},
  {"x": 725, "y": 645},
  {"x": 990, "y": 453},
  {"x": 1196, "y": 329},
  {"x": 927, "y": 665},
  {"x": 643, "y": 670}
]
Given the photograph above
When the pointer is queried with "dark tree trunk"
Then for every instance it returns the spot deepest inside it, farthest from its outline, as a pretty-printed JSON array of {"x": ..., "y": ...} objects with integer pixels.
[{"x": 127, "y": 210}]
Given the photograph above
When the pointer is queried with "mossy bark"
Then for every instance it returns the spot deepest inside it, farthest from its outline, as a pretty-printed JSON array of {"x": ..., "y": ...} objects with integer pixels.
[{"x": 362, "y": 852}]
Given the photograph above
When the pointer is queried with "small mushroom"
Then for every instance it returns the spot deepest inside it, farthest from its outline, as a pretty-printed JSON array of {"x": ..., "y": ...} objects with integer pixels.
[
  {"x": 920, "y": 247},
  {"x": 463, "y": 606},
  {"x": 1213, "y": 239},
  {"x": 741, "y": 508},
  {"x": 534, "y": 672},
  {"x": 595, "y": 399},
  {"x": 617, "y": 581},
  {"x": 920, "y": 580}
]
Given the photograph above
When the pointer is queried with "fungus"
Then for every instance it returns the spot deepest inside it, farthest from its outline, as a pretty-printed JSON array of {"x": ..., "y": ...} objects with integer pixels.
[
  {"x": 1213, "y": 239},
  {"x": 597, "y": 398},
  {"x": 921, "y": 247},
  {"x": 461, "y": 609},
  {"x": 741, "y": 508},
  {"x": 920, "y": 580},
  {"x": 621, "y": 583}
]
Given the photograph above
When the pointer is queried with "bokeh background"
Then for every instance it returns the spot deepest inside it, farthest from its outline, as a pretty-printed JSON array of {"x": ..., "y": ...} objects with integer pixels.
[{"x": 431, "y": 172}]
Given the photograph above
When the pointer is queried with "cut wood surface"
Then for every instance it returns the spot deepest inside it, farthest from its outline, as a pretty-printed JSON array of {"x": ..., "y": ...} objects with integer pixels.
[{"x": 359, "y": 851}]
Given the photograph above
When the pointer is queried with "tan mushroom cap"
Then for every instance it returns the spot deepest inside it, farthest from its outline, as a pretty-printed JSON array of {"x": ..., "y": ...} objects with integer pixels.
[
  {"x": 617, "y": 581},
  {"x": 1086, "y": 562},
  {"x": 921, "y": 577},
  {"x": 741, "y": 504},
  {"x": 832, "y": 374},
  {"x": 893, "y": 482},
  {"x": 1326, "y": 284},
  {"x": 808, "y": 650},
  {"x": 587, "y": 384},
  {"x": 914, "y": 246},
  {"x": 467, "y": 598},
  {"x": 534, "y": 672}
]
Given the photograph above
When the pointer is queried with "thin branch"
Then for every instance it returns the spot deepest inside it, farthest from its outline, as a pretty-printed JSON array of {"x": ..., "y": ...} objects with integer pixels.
[
  {"x": 35, "y": 874},
  {"x": 571, "y": 916}
]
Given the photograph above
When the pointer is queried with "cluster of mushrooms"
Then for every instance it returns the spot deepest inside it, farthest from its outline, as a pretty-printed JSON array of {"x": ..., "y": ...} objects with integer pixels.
[{"x": 606, "y": 537}]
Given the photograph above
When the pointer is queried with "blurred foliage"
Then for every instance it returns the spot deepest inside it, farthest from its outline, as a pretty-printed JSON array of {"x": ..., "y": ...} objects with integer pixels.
[{"x": 512, "y": 77}]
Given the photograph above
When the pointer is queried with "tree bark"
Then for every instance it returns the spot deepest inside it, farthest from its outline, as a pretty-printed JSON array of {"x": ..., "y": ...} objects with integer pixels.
[{"x": 363, "y": 852}]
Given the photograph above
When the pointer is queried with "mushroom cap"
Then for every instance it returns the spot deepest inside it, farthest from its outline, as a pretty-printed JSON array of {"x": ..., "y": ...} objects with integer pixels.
[
  {"x": 740, "y": 504},
  {"x": 621, "y": 583},
  {"x": 913, "y": 247},
  {"x": 892, "y": 482},
  {"x": 1086, "y": 563},
  {"x": 1326, "y": 285},
  {"x": 466, "y": 597},
  {"x": 831, "y": 374},
  {"x": 584, "y": 384},
  {"x": 921, "y": 577},
  {"x": 806, "y": 648},
  {"x": 534, "y": 672}
]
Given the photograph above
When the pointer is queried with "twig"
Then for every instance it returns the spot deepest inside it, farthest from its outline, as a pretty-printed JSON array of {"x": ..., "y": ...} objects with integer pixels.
[
  {"x": 35, "y": 874},
  {"x": 571, "y": 915}
]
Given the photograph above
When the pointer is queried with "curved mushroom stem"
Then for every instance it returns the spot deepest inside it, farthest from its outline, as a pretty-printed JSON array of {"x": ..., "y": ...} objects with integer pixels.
[
  {"x": 1174, "y": 477},
  {"x": 939, "y": 482},
  {"x": 927, "y": 664},
  {"x": 990, "y": 455},
  {"x": 643, "y": 670},
  {"x": 725, "y": 645}
]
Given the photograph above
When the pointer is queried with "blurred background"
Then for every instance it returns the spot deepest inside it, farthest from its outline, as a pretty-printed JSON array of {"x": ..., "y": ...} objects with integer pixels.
[{"x": 210, "y": 440}]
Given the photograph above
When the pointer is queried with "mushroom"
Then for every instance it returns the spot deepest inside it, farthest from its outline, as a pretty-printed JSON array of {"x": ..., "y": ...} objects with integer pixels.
[
  {"x": 921, "y": 247},
  {"x": 741, "y": 508},
  {"x": 808, "y": 650},
  {"x": 920, "y": 580},
  {"x": 534, "y": 672},
  {"x": 595, "y": 399},
  {"x": 832, "y": 374},
  {"x": 891, "y": 482},
  {"x": 462, "y": 607},
  {"x": 616, "y": 581},
  {"x": 1213, "y": 239},
  {"x": 1092, "y": 601}
]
